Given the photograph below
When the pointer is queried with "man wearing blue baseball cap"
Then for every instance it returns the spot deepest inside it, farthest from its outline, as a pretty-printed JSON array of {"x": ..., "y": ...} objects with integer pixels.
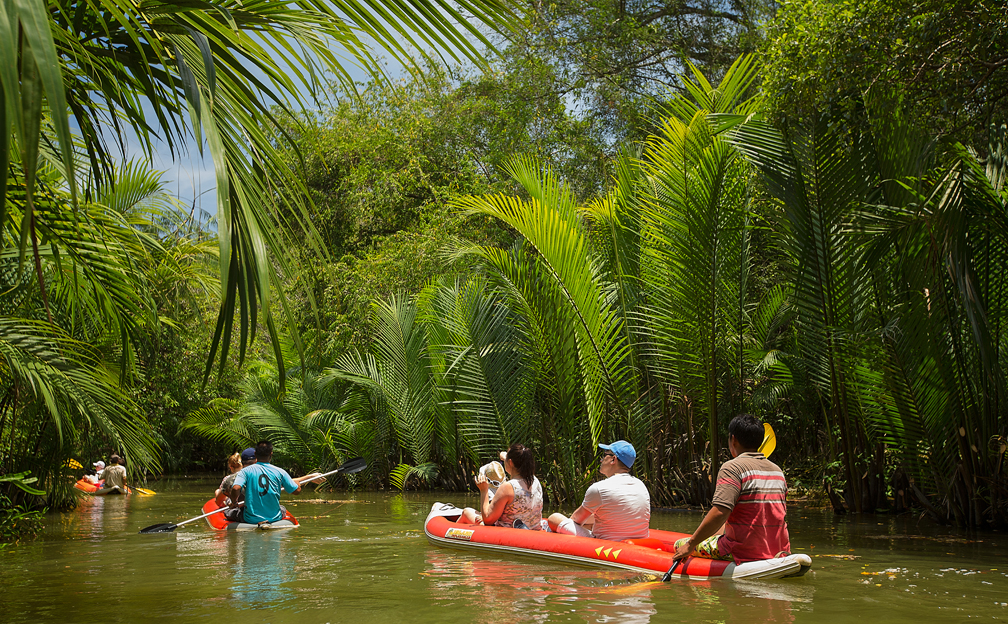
[
  {"x": 249, "y": 457},
  {"x": 262, "y": 483},
  {"x": 620, "y": 503}
]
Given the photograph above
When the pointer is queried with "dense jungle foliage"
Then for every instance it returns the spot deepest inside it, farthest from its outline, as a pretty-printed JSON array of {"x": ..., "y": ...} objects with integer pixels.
[{"x": 630, "y": 221}]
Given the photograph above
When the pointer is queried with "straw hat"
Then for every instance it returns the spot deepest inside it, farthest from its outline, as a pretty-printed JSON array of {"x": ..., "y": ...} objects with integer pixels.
[{"x": 493, "y": 471}]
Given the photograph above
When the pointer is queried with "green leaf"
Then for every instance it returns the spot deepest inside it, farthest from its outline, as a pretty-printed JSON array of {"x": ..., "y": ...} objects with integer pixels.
[{"x": 35, "y": 24}]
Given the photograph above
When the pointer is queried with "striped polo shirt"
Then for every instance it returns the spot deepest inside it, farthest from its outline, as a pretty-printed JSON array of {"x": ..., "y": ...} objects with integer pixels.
[{"x": 754, "y": 489}]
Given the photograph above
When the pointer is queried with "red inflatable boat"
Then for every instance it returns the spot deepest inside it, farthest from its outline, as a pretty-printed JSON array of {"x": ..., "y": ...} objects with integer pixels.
[
  {"x": 218, "y": 521},
  {"x": 651, "y": 555}
]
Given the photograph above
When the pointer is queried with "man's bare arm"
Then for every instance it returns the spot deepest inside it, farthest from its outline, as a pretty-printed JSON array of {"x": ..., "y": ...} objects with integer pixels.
[
  {"x": 581, "y": 515},
  {"x": 710, "y": 525}
]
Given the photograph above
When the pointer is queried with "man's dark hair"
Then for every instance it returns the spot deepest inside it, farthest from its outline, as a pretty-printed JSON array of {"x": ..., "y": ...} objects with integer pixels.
[
  {"x": 748, "y": 431},
  {"x": 264, "y": 450},
  {"x": 114, "y": 460}
]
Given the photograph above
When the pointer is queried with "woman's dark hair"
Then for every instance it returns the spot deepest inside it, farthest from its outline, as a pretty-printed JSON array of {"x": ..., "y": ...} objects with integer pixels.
[
  {"x": 748, "y": 431},
  {"x": 524, "y": 462}
]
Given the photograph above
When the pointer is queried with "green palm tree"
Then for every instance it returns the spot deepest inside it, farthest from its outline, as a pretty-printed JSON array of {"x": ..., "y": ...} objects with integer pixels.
[
  {"x": 694, "y": 255},
  {"x": 308, "y": 420},
  {"x": 937, "y": 242},
  {"x": 821, "y": 179},
  {"x": 72, "y": 326},
  {"x": 208, "y": 72},
  {"x": 482, "y": 361},
  {"x": 397, "y": 374},
  {"x": 556, "y": 281},
  {"x": 576, "y": 286}
]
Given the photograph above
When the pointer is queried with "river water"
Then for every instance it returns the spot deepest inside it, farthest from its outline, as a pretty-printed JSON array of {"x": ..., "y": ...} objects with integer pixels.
[{"x": 362, "y": 557}]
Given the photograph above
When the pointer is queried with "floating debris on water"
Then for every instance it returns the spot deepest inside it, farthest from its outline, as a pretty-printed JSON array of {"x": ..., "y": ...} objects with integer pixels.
[
  {"x": 889, "y": 572},
  {"x": 326, "y": 501},
  {"x": 946, "y": 539}
]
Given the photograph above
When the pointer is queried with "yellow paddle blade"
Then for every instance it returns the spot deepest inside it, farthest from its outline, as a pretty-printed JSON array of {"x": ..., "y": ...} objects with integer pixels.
[
  {"x": 769, "y": 440},
  {"x": 143, "y": 492}
]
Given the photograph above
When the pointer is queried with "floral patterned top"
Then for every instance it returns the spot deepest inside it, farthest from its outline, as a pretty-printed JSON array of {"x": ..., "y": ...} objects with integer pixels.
[{"x": 527, "y": 505}]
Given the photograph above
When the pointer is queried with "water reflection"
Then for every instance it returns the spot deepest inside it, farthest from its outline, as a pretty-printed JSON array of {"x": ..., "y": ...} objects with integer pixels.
[
  {"x": 253, "y": 565},
  {"x": 741, "y": 600},
  {"x": 515, "y": 591},
  {"x": 262, "y": 566},
  {"x": 97, "y": 517},
  {"x": 518, "y": 590}
]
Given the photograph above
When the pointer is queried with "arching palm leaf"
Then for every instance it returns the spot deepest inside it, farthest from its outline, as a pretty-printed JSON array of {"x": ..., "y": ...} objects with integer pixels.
[
  {"x": 485, "y": 375},
  {"x": 398, "y": 374},
  {"x": 211, "y": 70},
  {"x": 550, "y": 223},
  {"x": 64, "y": 386}
]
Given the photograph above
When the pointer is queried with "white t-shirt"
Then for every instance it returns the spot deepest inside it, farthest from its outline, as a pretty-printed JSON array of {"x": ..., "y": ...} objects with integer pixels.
[{"x": 621, "y": 505}]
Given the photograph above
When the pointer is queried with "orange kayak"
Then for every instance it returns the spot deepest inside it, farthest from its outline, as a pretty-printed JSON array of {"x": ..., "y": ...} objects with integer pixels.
[
  {"x": 99, "y": 490},
  {"x": 86, "y": 486}
]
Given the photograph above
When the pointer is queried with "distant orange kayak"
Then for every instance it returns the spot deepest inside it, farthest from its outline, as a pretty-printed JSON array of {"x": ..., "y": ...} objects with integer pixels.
[
  {"x": 86, "y": 486},
  {"x": 98, "y": 490}
]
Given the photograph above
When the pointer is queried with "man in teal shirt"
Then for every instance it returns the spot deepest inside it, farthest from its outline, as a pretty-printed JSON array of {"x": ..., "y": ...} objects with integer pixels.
[{"x": 262, "y": 482}]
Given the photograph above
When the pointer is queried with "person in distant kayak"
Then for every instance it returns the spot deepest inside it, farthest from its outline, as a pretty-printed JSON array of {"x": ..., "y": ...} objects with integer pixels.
[
  {"x": 262, "y": 483},
  {"x": 235, "y": 463},
  {"x": 519, "y": 499},
  {"x": 620, "y": 503},
  {"x": 749, "y": 504},
  {"x": 115, "y": 475},
  {"x": 93, "y": 475}
]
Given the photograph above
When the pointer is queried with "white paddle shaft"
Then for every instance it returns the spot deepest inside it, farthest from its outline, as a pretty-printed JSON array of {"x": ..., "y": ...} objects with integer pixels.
[{"x": 209, "y": 513}]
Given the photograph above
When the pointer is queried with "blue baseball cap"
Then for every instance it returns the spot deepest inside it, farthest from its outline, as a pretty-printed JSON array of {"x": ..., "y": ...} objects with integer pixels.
[
  {"x": 623, "y": 450},
  {"x": 248, "y": 455}
]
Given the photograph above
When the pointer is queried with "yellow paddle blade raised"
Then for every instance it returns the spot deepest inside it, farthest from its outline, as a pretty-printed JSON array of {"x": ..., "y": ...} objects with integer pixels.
[{"x": 769, "y": 440}]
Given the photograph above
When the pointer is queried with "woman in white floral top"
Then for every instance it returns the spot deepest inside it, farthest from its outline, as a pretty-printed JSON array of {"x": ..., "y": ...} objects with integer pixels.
[{"x": 520, "y": 498}]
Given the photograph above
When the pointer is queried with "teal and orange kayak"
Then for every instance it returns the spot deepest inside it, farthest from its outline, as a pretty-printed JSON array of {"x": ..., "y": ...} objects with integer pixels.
[{"x": 218, "y": 521}]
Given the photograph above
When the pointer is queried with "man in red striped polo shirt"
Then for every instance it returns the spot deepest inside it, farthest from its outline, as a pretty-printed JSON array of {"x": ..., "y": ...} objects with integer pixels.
[{"x": 749, "y": 503}]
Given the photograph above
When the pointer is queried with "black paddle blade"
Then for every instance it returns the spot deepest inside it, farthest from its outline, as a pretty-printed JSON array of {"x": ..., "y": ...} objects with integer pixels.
[
  {"x": 354, "y": 465},
  {"x": 164, "y": 527},
  {"x": 668, "y": 575}
]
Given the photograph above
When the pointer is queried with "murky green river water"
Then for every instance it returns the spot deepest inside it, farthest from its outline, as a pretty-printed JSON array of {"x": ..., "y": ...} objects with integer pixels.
[{"x": 361, "y": 558}]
